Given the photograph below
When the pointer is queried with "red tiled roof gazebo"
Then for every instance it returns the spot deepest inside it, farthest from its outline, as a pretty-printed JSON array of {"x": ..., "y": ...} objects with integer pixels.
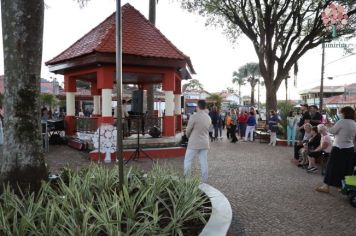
[{"x": 148, "y": 58}]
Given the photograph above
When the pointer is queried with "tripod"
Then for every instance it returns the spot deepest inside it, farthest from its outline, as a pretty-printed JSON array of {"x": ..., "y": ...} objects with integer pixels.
[{"x": 136, "y": 154}]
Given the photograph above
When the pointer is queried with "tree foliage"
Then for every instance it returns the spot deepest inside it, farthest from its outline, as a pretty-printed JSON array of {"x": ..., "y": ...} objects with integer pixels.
[
  {"x": 193, "y": 84},
  {"x": 48, "y": 100},
  {"x": 216, "y": 99},
  {"x": 281, "y": 31}
]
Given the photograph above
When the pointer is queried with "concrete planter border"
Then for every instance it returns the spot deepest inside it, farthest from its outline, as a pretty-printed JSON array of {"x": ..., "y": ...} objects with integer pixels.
[{"x": 221, "y": 215}]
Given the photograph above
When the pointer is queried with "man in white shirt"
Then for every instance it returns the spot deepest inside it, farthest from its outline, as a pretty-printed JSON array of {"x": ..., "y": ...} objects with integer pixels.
[{"x": 198, "y": 133}]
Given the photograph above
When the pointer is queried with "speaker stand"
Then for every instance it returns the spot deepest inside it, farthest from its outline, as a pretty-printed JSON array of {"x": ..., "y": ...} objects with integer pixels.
[{"x": 136, "y": 154}]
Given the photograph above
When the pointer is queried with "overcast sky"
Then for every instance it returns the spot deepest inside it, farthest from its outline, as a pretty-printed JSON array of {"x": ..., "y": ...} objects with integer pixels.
[{"x": 212, "y": 55}]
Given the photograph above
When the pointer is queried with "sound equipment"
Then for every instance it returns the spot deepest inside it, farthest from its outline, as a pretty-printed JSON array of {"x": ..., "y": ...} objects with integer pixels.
[
  {"x": 136, "y": 154},
  {"x": 76, "y": 144},
  {"x": 55, "y": 125},
  {"x": 182, "y": 100},
  {"x": 139, "y": 101}
]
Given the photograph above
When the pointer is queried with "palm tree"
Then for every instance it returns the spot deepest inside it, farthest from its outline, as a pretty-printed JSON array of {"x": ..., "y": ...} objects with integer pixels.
[
  {"x": 250, "y": 71},
  {"x": 238, "y": 78},
  {"x": 193, "y": 84}
]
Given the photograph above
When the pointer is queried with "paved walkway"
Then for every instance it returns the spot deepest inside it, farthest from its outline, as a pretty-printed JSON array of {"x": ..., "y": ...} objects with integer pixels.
[{"x": 268, "y": 194}]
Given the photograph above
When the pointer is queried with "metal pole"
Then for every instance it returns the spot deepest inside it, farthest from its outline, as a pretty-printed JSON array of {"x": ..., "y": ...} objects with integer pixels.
[
  {"x": 286, "y": 84},
  {"x": 119, "y": 144},
  {"x": 258, "y": 102},
  {"x": 322, "y": 78}
]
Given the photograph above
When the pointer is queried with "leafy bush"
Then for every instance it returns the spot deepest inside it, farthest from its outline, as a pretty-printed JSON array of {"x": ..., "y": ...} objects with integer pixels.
[
  {"x": 283, "y": 110},
  {"x": 88, "y": 202}
]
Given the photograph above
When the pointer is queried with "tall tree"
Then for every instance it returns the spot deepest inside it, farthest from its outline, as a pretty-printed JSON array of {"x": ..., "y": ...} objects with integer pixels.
[
  {"x": 22, "y": 162},
  {"x": 281, "y": 31},
  {"x": 237, "y": 77},
  {"x": 193, "y": 84}
]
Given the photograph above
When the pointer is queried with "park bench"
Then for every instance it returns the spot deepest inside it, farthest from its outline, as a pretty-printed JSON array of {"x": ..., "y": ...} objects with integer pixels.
[{"x": 261, "y": 132}]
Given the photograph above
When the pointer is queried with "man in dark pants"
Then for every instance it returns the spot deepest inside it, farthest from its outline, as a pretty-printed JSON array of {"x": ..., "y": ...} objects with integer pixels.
[
  {"x": 303, "y": 120},
  {"x": 315, "y": 116}
]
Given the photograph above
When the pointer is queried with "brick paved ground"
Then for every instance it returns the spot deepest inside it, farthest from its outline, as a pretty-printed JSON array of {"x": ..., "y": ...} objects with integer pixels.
[{"x": 269, "y": 195}]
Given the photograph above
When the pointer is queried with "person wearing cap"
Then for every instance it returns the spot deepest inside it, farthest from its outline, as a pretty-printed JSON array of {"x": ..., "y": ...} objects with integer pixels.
[
  {"x": 304, "y": 119},
  {"x": 340, "y": 163},
  {"x": 315, "y": 116}
]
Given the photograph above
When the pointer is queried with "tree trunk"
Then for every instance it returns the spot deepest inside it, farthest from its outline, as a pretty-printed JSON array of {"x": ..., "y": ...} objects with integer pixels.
[
  {"x": 271, "y": 97},
  {"x": 252, "y": 95},
  {"x": 22, "y": 162},
  {"x": 150, "y": 87}
]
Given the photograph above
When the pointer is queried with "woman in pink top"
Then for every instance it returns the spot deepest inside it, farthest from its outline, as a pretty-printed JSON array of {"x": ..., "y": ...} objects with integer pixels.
[{"x": 324, "y": 148}]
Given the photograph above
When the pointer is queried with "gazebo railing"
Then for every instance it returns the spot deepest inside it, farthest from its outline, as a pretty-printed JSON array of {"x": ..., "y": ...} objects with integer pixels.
[
  {"x": 90, "y": 124},
  {"x": 135, "y": 123},
  {"x": 86, "y": 124}
]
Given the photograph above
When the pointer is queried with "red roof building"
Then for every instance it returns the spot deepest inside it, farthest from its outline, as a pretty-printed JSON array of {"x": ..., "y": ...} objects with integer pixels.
[{"x": 148, "y": 57}]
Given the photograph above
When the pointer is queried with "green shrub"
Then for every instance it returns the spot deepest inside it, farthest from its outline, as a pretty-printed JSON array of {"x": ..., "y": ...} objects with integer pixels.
[
  {"x": 283, "y": 110},
  {"x": 88, "y": 202}
]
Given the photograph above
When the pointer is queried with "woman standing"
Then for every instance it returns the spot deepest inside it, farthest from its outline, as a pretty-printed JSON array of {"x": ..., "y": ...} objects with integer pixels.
[
  {"x": 273, "y": 127},
  {"x": 242, "y": 123},
  {"x": 233, "y": 126},
  {"x": 251, "y": 123},
  {"x": 228, "y": 124},
  {"x": 340, "y": 162},
  {"x": 291, "y": 128}
]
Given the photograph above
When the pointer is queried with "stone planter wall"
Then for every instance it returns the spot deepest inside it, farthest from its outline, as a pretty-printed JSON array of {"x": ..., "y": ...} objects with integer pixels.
[{"x": 221, "y": 215}]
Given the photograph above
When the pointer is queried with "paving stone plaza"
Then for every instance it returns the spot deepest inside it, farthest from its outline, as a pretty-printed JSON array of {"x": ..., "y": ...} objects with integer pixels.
[{"x": 268, "y": 194}]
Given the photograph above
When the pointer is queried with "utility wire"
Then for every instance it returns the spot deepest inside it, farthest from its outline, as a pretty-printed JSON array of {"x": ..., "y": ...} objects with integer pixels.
[
  {"x": 340, "y": 58},
  {"x": 351, "y": 73}
]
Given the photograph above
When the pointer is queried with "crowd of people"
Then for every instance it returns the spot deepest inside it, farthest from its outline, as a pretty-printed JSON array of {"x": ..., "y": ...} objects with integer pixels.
[
  {"x": 241, "y": 125},
  {"x": 332, "y": 143},
  {"x": 310, "y": 133}
]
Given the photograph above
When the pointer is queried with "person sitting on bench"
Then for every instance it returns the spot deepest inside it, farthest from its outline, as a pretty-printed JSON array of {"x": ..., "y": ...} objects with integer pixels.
[{"x": 325, "y": 146}]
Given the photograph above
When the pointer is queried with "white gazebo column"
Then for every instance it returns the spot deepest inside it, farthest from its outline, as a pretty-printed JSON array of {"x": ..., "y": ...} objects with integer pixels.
[
  {"x": 69, "y": 119},
  {"x": 70, "y": 103},
  {"x": 96, "y": 102},
  {"x": 169, "y": 126},
  {"x": 105, "y": 83},
  {"x": 106, "y": 103},
  {"x": 178, "y": 111}
]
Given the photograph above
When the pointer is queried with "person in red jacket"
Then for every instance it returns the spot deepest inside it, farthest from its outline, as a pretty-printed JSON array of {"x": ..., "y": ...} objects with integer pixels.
[{"x": 242, "y": 119}]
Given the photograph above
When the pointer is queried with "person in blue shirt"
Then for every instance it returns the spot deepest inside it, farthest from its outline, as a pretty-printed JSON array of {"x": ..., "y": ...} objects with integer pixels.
[
  {"x": 273, "y": 127},
  {"x": 251, "y": 124}
]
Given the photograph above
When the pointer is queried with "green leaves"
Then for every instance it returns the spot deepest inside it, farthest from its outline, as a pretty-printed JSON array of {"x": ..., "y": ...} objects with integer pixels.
[{"x": 88, "y": 202}]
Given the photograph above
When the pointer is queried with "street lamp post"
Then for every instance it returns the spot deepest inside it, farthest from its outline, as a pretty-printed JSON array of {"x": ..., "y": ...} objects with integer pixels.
[
  {"x": 321, "y": 94},
  {"x": 119, "y": 137},
  {"x": 258, "y": 95}
]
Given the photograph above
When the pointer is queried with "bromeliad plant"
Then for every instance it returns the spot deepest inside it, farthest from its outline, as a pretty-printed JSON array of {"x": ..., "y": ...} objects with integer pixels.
[{"x": 88, "y": 202}]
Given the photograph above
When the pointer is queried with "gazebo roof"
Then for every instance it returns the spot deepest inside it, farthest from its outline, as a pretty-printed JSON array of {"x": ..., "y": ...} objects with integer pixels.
[{"x": 140, "y": 39}]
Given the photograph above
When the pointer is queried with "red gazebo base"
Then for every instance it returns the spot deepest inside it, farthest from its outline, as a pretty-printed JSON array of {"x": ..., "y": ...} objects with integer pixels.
[{"x": 155, "y": 153}]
